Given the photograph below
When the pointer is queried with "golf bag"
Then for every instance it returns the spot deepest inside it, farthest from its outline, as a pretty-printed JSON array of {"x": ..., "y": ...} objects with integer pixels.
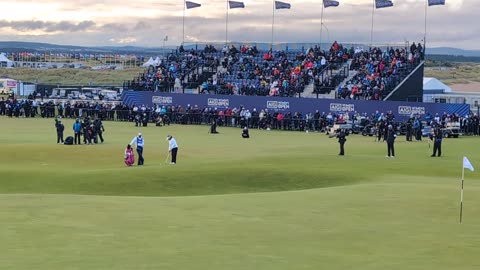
[{"x": 68, "y": 140}]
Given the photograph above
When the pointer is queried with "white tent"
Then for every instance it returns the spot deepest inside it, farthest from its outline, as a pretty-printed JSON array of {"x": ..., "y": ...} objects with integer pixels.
[
  {"x": 150, "y": 62},
  {"x": 4, "y": 61},
  {"x": 434, "y": 85},
  {"x": 157, "y": 61}
]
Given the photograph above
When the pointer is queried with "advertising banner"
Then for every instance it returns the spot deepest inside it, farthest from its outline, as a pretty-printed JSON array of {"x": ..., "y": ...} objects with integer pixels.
[{"x": 302, "y": 105}]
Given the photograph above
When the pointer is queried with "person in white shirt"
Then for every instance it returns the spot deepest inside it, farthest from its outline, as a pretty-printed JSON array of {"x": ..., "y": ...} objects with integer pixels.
[
  {"x": 173, "y": 149},
  {"x": 140, "y": 142}
]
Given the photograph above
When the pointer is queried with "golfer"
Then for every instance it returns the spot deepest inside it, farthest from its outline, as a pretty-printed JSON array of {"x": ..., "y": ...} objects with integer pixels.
[
  {"x": 172, "y": 149},
  {"x": 140, "y": 142},
  {"x": 341, "y": 140},
  {"x": 391, "y": 136}
]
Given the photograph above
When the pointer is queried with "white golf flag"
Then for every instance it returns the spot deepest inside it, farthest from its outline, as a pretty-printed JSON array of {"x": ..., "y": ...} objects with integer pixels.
[{"x": 467, "y": 164}]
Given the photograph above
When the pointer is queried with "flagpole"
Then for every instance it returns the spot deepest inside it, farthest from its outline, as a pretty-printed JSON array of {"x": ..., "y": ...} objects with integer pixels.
[
  {"x": 226, "y": 26},
  {"x": 273, "y": 23},
  {"x": 183, "y": 21},
  {"x": 371, "y": 30},
  {"x": 321, "y": 25},
  {"x": 461, "y": 194},
  {"x": 425, "y": 33}
]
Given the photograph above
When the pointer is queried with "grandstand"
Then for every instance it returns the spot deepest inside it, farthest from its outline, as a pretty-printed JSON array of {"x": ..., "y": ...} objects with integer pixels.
[{"x": 341, "y": 72}]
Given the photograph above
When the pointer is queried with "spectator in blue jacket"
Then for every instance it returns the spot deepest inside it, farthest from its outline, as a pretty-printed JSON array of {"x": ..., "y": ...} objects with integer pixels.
[{"x": 77, "y": 129}]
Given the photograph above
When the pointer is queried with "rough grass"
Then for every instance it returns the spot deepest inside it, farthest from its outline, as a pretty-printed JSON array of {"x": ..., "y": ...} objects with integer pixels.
[
  {"x": 365, "y": 211},
  {"x": 71, "y": 76},
  {"x": 464, "y": 73}
]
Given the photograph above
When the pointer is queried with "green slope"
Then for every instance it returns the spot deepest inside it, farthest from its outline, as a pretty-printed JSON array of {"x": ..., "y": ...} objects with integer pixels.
[
  {"x": 208, "y": 164},
  {"x": 361, "y": 211},
  {"x": 399, "y": 224}
]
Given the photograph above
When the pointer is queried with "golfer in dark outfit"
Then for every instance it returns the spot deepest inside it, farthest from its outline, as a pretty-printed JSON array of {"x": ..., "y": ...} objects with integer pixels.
[
  {"x": 391, "y": 135},
  {"x": 60, "y": 128},
  {"x": 341, "y": 141},
  {"x": 173, "y": 149},
  {"x": 437, "y": 144}
]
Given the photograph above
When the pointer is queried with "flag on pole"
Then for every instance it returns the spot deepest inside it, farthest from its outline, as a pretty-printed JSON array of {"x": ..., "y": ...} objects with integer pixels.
[
  {"x": 282, "y": 5},
  {"x": 383, "y": 3},
  {"x": 330, "y": 3},
  {"x": 192, "y": 5},
  {"x": 467, "y": 164},
  {"x": 436, "y": 2},
  {"x": 236, "y": 4}
]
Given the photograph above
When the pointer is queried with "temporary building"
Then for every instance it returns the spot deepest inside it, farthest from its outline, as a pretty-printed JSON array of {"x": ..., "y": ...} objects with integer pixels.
[
  {"x": 150, "y": 62},
  {"x": 5, "y": 62},
  {"x": 433, "y": 85}
]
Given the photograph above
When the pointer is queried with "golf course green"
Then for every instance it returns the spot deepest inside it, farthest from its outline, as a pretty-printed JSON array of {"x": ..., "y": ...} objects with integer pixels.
[{"x": 279, "y": 200}]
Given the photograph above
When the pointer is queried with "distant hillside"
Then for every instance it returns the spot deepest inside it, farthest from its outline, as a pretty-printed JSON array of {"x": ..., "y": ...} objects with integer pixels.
[
  {"x": 17, "y": 46},
  {"x": 435, "y": 59},
  {"x": 14, "y": 46},
  {"x": 452, "y": 51}
]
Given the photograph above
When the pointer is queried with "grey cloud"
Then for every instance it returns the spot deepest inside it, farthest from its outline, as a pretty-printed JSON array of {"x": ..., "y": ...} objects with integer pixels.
[
  {"x": 106, "y": 5},
  {"x": 67, "y": 26},
  {"x": 64, "y": 26},
  {"x": 117, "y": 27},
  {"x": 348, "y": 23},
  {"x": 141, "y": 25}
]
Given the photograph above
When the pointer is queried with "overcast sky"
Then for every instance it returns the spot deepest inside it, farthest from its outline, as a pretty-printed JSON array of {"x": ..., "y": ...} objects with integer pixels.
[{"x": 147, "y": 22}]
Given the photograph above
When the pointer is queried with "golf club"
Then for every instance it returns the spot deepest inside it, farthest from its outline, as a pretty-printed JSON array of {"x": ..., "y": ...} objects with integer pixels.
[
  {"x": 166, "y": 159},
  {"x": 429, "y": 141}
]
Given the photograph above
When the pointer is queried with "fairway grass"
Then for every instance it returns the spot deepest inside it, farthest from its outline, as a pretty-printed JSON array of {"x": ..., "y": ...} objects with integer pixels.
[{"x": 280, "y": 200}]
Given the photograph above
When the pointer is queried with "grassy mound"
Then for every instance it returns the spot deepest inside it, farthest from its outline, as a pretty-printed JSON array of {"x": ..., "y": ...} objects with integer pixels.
[{"x": 208, "y": 164}]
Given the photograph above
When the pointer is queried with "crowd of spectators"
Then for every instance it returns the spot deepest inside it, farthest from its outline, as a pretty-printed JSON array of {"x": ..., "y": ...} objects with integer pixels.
[
  {"x": 174, "y": 70},
  {"x": 29, "y": 108},
  {"x": 379, "y": 71},
  {"x": 232, "y": 117},
  {"x": 246, "y": 70}
]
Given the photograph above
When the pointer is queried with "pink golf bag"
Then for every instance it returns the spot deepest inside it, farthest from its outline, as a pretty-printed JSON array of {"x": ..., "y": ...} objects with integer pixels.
[{"x": 129, "y": 157}]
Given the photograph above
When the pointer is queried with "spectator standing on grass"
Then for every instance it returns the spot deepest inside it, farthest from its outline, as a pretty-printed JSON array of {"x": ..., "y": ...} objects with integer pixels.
[
  {"x": 99, "y": 129},
  {"x": 77, "y": 129},
  {"x": 60, "y": 128},
  {"x": 3, "y": 105}
]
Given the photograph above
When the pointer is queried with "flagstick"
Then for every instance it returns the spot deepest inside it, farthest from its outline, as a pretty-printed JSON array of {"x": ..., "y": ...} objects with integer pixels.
[
  {"x": 226, "y": 26},
  {"x": 461, "y": 195},
  {"x": 321, "y": 26},
  {"x": 273, "y": 23},
  {"x": 371, "y": 30},
  {"x": 183, "y": 21}
]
